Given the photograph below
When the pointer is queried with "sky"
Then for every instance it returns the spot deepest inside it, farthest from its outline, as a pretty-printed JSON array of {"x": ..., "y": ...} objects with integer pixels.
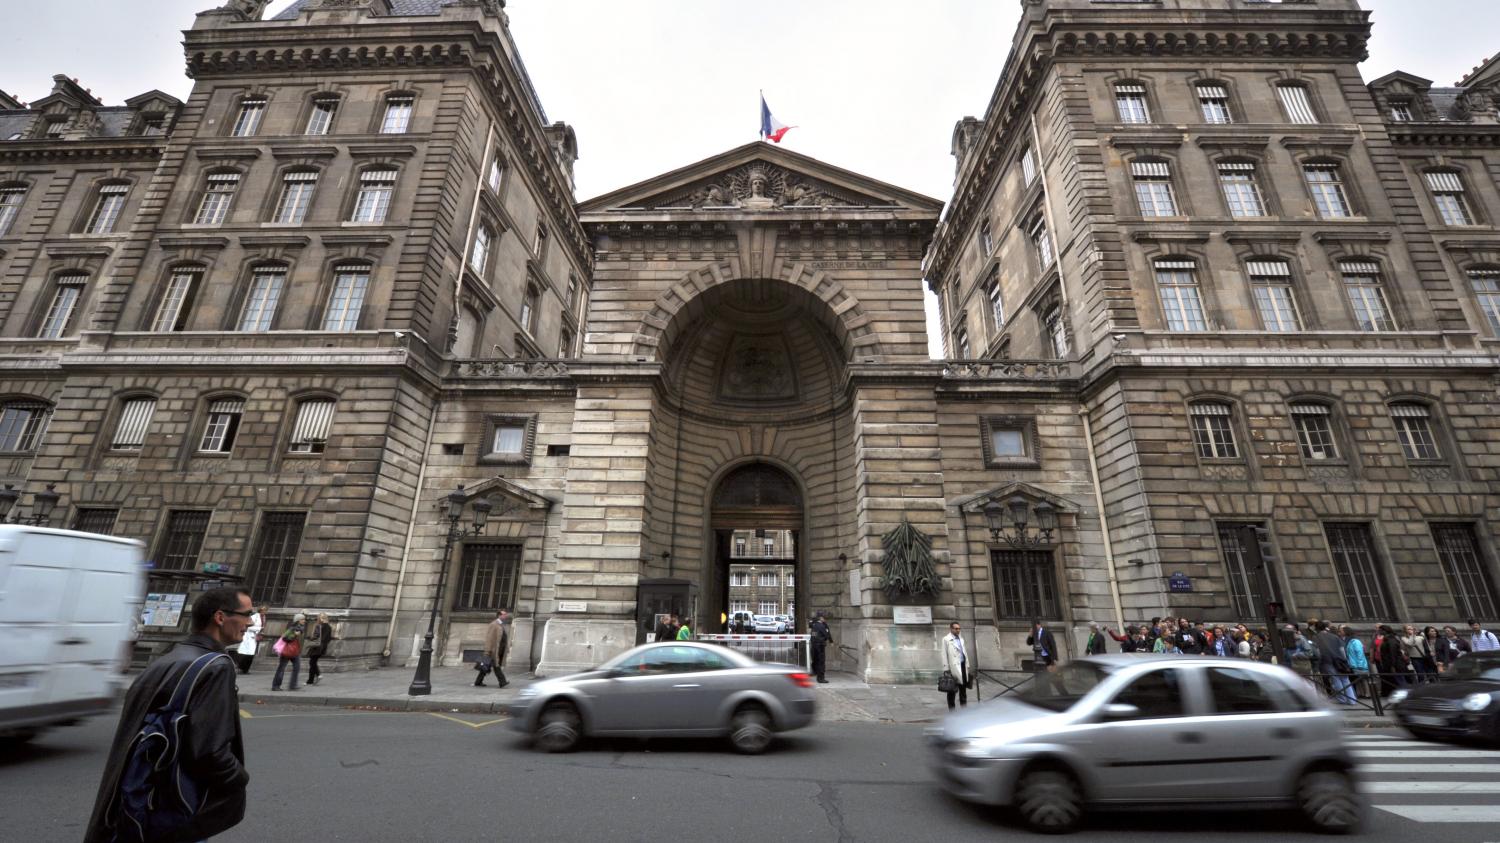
[{"x": 873, "y": 86}]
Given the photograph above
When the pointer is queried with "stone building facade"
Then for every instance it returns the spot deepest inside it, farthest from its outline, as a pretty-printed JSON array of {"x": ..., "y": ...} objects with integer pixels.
[{"x": 1195, "y": 274}]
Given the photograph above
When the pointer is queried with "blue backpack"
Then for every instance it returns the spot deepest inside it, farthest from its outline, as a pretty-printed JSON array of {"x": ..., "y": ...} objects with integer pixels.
[{"x": 156, "y": 797}]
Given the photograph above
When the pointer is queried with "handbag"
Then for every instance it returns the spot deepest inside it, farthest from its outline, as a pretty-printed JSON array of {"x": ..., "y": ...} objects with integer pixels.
[
  {"x": 279, "y": 646},
  {"x": 484, "y": 664},
  {"x": 291, "y": 649},
  {"x": 946, "y": 683}
]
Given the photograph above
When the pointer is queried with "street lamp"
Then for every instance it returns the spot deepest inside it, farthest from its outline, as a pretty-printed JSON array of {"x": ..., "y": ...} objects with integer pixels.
[
  {"x": 42, "y": 504},
  {"x": 1020, "y": 511},
  {"x": 421, "y": 683}
]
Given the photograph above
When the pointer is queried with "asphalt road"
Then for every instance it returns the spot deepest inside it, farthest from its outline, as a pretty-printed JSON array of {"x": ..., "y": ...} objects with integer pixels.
[{"x": 328, "y": 775}]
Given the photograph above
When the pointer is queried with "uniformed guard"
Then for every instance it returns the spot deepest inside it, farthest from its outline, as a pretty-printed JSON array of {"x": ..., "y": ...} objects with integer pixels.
[{"x": 821, "y": 637}]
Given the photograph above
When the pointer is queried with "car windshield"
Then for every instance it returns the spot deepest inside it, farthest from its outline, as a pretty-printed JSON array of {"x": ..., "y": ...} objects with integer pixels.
[
  {"x": 1059, "y": 690},
  {"x": 1470, "y": 668}
]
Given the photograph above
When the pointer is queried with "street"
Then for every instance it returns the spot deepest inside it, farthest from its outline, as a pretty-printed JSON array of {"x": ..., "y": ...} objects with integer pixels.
[{"x": 330, "y": 774}]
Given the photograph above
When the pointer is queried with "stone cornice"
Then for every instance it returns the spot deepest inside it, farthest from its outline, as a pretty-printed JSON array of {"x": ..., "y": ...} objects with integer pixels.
[
  {"x": 1444, "y": 134},
  {"x": 93, "y": 149}
]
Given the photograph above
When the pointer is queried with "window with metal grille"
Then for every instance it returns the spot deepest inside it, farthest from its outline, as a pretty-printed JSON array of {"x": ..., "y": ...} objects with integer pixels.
[
  {"x": 1213, "y": 431},
  {"x": 1367, "y": 296},
  {"x": 1448, "y": 194},
  {"x": 1042, "y": 242},
  {"x": 107, "y": 207},
  {"x": 997, "y": 299},
  {"x": 135, "y": 420},
  {"x": 1153, "y": 188},
  {"x": 262, "y": 299},
  {"x": 1326, "y": 184},
  {"x": 320, "y": 119},
  {"x": 1486, "y": 284},
  {"x": 1181, "y": 303},
  {"x": 1025, "y": 585},
  {"x": 986, "y": 238},
  {"x": 346, "y": 299},
  {"x": 1297, "y": 103},
  {"x": 297, "y": 188},
  {"x": 1247, "y": 584},
  {"x": 183, "y": 540},
  {"x": 275, "y": 556},
  {"x": 1275, "y": 301},
  {"x": 247, "y": 121},
  {"x": 1028, "y": 166},
  {"x": 310, "y": 429},
  {"x": 487, "y": 576},
  {"x": 69, "y": 289},
  {"x": 10, "y": 207},
  {"x": 1213, "y": 99},
  {"x": 480, "y": 256},
  {"x": 397, "y": 118},
  {"x": 1357, "y": 571},
  {"x": 374, "y": 199},
  {"x": 1464, "y": 569},
  {"x": 1414, "y": 430},
  {"x": 218, "y": 194},
  {"x": 1130, "y": 102},
  {"x": 177, "y": 300},
  {"x": 222, "y": 425},
  {"x": 95, "y": 520},
  {"x": 1241, "y": 190},
  {"x": 1314, "y": 423},
  {"x": 22, "y": 425}
]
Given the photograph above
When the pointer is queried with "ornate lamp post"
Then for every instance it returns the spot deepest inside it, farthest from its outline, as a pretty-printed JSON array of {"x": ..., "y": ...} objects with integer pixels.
[
  {"x": 1019, "y": 532},
  {"x": 421, "y": 683},
  {"x": 42, "y": 504}
]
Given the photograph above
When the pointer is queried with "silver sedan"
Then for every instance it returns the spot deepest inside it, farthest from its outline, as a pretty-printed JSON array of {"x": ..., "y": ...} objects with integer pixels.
[{"x": 669, "y": 689}]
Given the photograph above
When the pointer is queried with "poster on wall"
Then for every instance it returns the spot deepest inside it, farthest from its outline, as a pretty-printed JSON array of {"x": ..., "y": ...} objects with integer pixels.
[{"x": 163, "y": 609}]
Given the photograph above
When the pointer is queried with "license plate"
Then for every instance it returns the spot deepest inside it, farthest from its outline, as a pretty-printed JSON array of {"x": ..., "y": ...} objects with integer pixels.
[{"x": 1425, "y": 720}]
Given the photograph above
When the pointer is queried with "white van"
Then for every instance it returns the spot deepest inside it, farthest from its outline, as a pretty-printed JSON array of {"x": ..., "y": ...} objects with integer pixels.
[{"x": 69, "y": 606}]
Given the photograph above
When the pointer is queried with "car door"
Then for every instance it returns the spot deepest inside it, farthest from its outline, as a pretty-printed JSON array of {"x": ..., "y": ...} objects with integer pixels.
[
  {"x": 1155, "y": 752},
  {"x": 1250, "y": 732},
  {"x": 700, "y": 684},
  {"x": 630, "y": 700}
]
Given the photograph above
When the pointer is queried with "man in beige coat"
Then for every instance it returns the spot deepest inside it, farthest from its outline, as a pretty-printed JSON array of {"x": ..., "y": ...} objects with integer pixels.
[
  {"x": 496, "y": 645},
  {"x": 956, "y": 662}
]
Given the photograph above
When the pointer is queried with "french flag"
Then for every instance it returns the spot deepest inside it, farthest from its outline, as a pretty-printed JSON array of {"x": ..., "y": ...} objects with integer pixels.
[{"x": 771, "y": 129}]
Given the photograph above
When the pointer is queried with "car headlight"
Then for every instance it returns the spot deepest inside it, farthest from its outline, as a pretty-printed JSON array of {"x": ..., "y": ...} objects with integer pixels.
[
  {"x": 1397, "y": 696},
  {"x": 971, "y": 749},
  {"x": 1477, "y": 702}
]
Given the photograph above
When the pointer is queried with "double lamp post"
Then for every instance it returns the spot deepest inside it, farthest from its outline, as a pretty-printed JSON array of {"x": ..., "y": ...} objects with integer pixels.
[
  {"x": 421, "y": 683},
  {"x": 42, "y": 504}
]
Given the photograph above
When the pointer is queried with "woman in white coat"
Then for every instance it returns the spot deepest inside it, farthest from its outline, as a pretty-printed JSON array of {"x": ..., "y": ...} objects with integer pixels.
[
  {"x": 956, "y": 662},
  {"x": 244, "y": 654}
]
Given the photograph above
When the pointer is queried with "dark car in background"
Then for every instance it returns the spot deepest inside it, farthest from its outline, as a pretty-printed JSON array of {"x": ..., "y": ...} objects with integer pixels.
[{"x": 1463, "y": 703}]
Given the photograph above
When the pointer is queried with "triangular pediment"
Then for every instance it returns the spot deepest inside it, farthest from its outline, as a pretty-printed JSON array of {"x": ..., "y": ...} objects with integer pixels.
[
  {"x": 507, "y": 497},
  {"x": 760, "y": 177},
  {"x": 1004, "y": 492},
  {"x": 1401, "y": 80},
  {"x": 1487, "y": 71}
]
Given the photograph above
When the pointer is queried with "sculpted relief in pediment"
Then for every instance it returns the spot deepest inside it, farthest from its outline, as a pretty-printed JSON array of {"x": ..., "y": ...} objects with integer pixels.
[{"x": 759, "y": 186}]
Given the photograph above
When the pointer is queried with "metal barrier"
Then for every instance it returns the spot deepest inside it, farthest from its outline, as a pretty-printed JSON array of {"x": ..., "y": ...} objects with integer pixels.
[
  {"x": 1009, "y": 681},
  {"x": 1366, "y": 688},
  {"x": 781, "y": 649}
]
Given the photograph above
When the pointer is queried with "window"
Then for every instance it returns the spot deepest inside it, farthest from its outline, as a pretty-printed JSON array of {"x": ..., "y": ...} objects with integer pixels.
[
  {"x": 509, "y": 438},
  {"x": 1042, "y": 242},
  {"x": 1241, "y": 190},
  {"x": 1130, "y": 102},
  {"x": 64, "y": 302},
  {"x": 96, "y": 520},
  {"x": 1247, "y": 584},
  {"x": 768, "y": 548},
  {"x": 217, "y": 196},
  {"x": 1213, "y": 99},
  {"x": 740, "y": 579},
  {"x": 961, "y": 348},
  {"x": 997, "y": 302},
  {"x": 1057, "y": 332},
  {"x": 1177, "y": 281},
  {"x": 487, "y": 576},
  {"x": 177, "y": 300},
  {"x": 528, "y": 309},
  {"x": 222, "y": 426},
  {"x": 1401, "y": 111},
  {"x": 572, "y": 300},
  {"x": 736, "y": 606},
  {"x": 346, "y": 299},
  {"x": 310, "y": 428},
  {"x": 1153, "y": 188},
  {"x": 1239, "y": 691},
  {"x": 10, "y": 207},
  {"x": 1271, "y": 287},
  {"x": 55, "y": 129},
  {"x": 107, "y": 209},
  {"x": 986, "y": 239},
  {"x": 1354, "y": 566},
  {"x": 320, "y": 119},
  {"x": 539, "y": 244},
  {"x": 22, "y": 424},
  {"x": 1315, "y": 431},
  {"x": 1157, "y": 694},
  {"x": 1414, "y": 430},
  {"x": 564, "y": 343},
  {"x": 769, "y": 579},
  {"x": 1009, "y": 441},
  {"x": 297, "y": 188},
  {"x": 1213, "y": 431},
  {"x": 1025, "y": 584},
  {"x": 374, "y": 199},
  {"x": 260, "y": 303},
  {"x": 1448, "y": 194},
  {"x": 397, "y": 116},
  {"x": 1028, "y": 166},
  {"x": 1367, "y": 296},
  {"x": 248, "y": 120},
  {"x": 1297, "y": 103},
  {"x": 1486, "y": 284},
  {"x": 481, "y": 254},
  {"x": 496, "y": 174},
  {"x": 135, "y": 419},
  {"x": 1463, "y": 567},
  {"x": 275, "y": 556},
  {"x": 769, "y": 607},
  {"x": 184, "y": 539},
  {"x": 1326, "y": 184}
]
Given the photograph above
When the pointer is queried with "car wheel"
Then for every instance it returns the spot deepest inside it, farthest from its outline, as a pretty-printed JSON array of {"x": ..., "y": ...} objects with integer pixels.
[
  {"x": 1049, "y": 801},
  {"x": 1328, "y": 801},
  {"x": 559, "y": 728},
  {"x": 750, "y": 730}
]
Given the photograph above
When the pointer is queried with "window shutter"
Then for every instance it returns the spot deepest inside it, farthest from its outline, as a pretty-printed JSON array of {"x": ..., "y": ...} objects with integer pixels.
[
  {"x": 1272, "y": 268},
  {"x": 1444, "y": 182},
  {"x": 1236, "y": 167},
  {"x": 1310, "y": 410},
  {"x": 1359, "y": 268},
  {"x": 1409, "y": 411},
  {"x": 300, "y": 175},
  {"x": 227, "y": 405},
  {"x": 1151, "y": 169},
  {"x": 313, "y": 418},
  {"x": 378, "y": 176},
  {"x": 1212, "y": 92},
  {"x": 1130, "y": 88},
  {"x": 135, "y": 418},
  {"x": 1210, "y": 410},
  {"x": 1176, "y": 264}
]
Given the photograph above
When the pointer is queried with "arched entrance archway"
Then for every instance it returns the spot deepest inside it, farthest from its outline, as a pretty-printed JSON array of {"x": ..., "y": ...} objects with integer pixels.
[{"x": 756, "y": 557}]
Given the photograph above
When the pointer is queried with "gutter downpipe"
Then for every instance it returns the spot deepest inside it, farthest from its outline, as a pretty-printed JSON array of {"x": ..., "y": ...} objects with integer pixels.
[{"x": 1109, "y": 552}]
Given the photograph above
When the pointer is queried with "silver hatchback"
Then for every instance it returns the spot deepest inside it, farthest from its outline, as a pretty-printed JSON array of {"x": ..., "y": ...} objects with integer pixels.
[
  {"x": 1130, "y": 730},
  {"x": 672, "y": 689}
]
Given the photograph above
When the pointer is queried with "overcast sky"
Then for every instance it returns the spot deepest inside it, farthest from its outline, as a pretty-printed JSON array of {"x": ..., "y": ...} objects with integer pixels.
[{"x": 874, "y": 86}]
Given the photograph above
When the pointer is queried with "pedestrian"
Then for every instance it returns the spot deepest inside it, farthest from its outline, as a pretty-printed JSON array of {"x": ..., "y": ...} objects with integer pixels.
[
  {"x": 1095, "y": 644},
  {"x": 1224, "y": 644},
  {"x": 1417, "y": 655},
  {"x": 1391, "y": 656},
  {"x": 244, "y": 652},
  {"x": 1167, "y": 643},
  {"x": 496, "y": 646},
  {"x": 1354, "y": 653},
  {"x": 318, "y": 643},
  {"x": 1450, "y": 648},
  {"x": 1301, "y": 654},
  {"x": 956, "y": 663},
  {"x": 289, "y": 651},
  {"x": 664, "y": 629},
  {"x": 684, "y": 631},
  {"x": 211, "y": 752},
  {"x": 1481, "y": 639},
  {"x": 1432, "y": 639},
  {"x": 1187, "y": 641},
  {"x": 1333, "y": 663},
  {"x": 821, "y": 637},
  {"x": 1043, "y": 652}
]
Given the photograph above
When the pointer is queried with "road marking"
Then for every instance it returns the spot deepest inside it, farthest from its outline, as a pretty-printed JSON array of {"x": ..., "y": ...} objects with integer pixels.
[
  {"x": 246, "y": 715},
  {"x": 1429, "y": 768},
  {"x": 1445, "y": 813},
  {"x": 1431, "y": 787},
  {"x": 1427, "y": 753},
  {"x": 467, "y": 723},
  {"x": 1383, "y": 744}
]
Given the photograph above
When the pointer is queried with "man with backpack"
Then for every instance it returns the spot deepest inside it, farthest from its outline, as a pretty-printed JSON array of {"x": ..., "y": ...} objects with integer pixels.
[{"x": 183, "y": 705}]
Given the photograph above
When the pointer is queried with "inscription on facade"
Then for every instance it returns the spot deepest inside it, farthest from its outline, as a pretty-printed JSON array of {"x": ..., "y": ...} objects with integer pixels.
[{"x": 849, "y": 264}]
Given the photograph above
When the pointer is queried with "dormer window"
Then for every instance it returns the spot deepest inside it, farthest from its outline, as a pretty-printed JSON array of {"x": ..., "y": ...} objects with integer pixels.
[
  {"x": 1401, "y": 111},
  {"x": 54, "y": 128}
]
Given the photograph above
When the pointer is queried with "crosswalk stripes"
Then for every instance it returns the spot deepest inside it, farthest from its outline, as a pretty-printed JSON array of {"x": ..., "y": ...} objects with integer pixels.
[{"x": 1428, "y": 782}]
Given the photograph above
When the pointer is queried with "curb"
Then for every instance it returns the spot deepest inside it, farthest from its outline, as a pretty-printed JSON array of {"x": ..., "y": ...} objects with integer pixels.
[{"x": 377, "y": 703}]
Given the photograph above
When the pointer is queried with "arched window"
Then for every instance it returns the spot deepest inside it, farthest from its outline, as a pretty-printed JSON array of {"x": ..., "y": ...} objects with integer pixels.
[
  {"x": 961, "y": 348},
  {"x": 1275, "y": 301},
  {"x": 1413, "y": 421},
  {"x": 1447, "y": 188},
  {"x": 310, "y": 426},
  {"x": 218, "y": 194},
  {"x": 23, "y": 422},
  {"x": 1181, "y": 302},
  {"x": 1213, "y": 430},
  {"x": 1314, "y": 423},
  {"x": 1055, "y": 328},
  {"x": 67, "y": 290},
  {"x": 297, "y": 188},
  {"x": 1153, "y": 187},
  {"x": 376, "y": 185},
  {"x": 347, "y": 297},
  {"x": 108, "y": 203},
  {"x": 1296, "y": 102},
  {"x": 997, "y": 299}
]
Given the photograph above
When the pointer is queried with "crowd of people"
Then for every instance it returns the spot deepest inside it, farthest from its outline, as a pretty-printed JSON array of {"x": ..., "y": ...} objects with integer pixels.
[{"x": 300, "y": 639}]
